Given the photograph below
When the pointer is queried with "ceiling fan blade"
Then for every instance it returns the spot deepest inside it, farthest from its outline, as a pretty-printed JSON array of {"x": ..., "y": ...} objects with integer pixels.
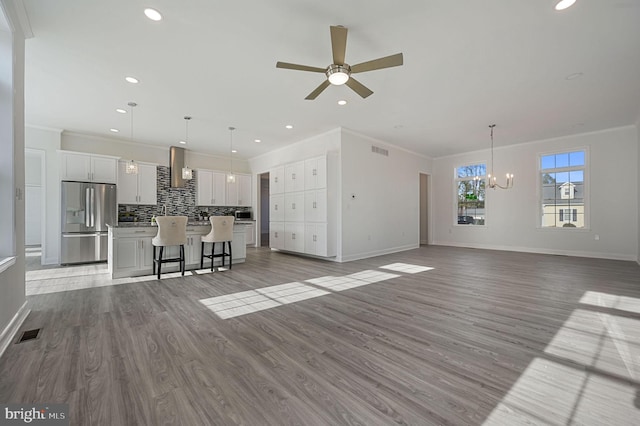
[
  {"x": 299, "y": 67},
  {"x": 318, "y": 90},
  {"x": 358, "y": 87},
  {"x": 338, "y": 44},
  {"x": 376, "y": 64}
]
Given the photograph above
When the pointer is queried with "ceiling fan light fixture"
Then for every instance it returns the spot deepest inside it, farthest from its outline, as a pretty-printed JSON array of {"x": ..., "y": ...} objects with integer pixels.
[{"x": 338, "y": 74}]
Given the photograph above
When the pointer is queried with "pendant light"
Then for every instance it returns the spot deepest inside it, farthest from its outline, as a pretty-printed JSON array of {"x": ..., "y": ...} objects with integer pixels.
[
  {"x": 231, "y": 178},
  {"x": 132, "y": 167},
  {"x": 492, "y": 178},
  {"x": 187, "y": 173}
]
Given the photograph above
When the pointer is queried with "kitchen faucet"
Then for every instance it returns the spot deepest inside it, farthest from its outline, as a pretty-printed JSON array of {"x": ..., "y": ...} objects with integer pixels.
[{"x": 164, "y": 209}]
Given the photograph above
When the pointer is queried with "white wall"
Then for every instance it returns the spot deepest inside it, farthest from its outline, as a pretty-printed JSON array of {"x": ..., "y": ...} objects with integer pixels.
[
  {"x": 512, "y": 215},
  {"x": 13, "y": 305},
  {"x": 48, "y": 141},
  {"x": 638, "y": 172},
  {"x": 146, "y": 153},
  {"x": 380, "y": 197}
]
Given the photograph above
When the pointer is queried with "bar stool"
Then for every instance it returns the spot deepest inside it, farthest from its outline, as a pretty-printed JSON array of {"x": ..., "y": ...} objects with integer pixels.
[
  {"x": 221, "y": 232},
  {"x": 172, "y": 231}
]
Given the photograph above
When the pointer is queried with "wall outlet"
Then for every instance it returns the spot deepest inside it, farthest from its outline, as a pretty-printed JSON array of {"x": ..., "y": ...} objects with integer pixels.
[{"x": 596, "y": 237}]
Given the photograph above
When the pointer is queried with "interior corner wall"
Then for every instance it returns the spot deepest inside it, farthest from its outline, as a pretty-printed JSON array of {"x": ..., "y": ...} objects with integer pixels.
[
  {"x": 380, "y": 204},
  {"x": 12, "y": 280},
  {"x": 48, "y": 141},
  {"x": 638, "y": 173},
  {"x": 512, "y": 215}
]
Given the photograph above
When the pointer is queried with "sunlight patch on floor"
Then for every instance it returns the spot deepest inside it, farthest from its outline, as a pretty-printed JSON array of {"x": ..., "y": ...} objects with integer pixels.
[
  {"x": 614, "y": 301},
  {"x": 406, "y": 268}
]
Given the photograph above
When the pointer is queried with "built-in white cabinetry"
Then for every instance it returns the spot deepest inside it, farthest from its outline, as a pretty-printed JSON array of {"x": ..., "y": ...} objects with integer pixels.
[
  {"x": 276, "y": 208},
  {"x": 239, "y": 192},
  {"x": 133, "y": 252},
  {"x": 294, "y": 206},
  {"x": 276, "y": 180},
  {"x": 294, "y": 236},
  {"x": 315, "y": 173},
  {"x": 249, "y": 232},
  {"x": 294, "y": 177},
  {"x": 88, "y": 168},
  {"x": 315, "y": 239},
  {"x": 307, "y": 223},
  {"x": 214, "y": 190},
  {"x": 276, "y": 235},
  {"x": 140, "y": 188},
  {"x": 211, "y": 188}
]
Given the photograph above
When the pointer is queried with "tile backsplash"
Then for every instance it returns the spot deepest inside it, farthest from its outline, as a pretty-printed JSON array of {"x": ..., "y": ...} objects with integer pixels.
[{"x": 179, "y": 201}]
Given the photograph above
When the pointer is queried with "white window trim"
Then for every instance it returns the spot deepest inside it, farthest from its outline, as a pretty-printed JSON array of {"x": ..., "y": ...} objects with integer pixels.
[
  {"x": 6, "y": 263},
  {"x": 587, "y": 189}
]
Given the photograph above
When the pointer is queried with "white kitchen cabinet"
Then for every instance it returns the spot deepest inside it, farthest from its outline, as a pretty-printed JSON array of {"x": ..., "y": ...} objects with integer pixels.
[
  {"x": 276, "y": 180},
  {"x": 133, "y": 252},
  {"x": 249, "y": 232},
  {"x": 294, "y": 207},
  {"x": 315, "y": 239},
  {"x": 294, "y": 236},
  {"x": 294, "y": 177},
  {"x": 88, "y": 168},
  {"x": 211, "y": 188},
  {"x": 315, "y": 173},
  {"x": 276, "y": 208},
  {"x": 276, "y": 235},
  {"x": 140, "y": 188},
  {"x": 315, "y": 205},
  {"x": 239, "y": 192}
]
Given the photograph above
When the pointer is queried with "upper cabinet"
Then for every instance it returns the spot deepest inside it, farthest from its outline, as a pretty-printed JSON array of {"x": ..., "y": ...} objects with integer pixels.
[
  {"x": 140, "y": 188},
  {"x": 276, "y": 180},
  {"x": 211, "y": 188},
  {"x": 315, "y": 173},
  {"x": 239, "y": 192},
  {"x": 294, "y": 177},
  {"x": 214, "y": 190},
  {"x": 88, "y": 168}
]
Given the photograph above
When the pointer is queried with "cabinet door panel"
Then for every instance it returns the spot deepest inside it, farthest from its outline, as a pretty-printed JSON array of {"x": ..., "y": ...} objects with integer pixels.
[
  {"x": 244, "y": 190},
  {"x": 294, "y": 236},
  {"x": 276, "y": 208},
  {"x": 127, "y": 253},
  {"x": 294, "y": 207},
  {"x": 276, "y": 181},
  {"x": 276, "y": 235},
  {"x": 147, "y": 184},
  {"x": 75, "y": 167},
  {"x": 294, "y": 177},
  {"x": 204, "y": 188},
  {"x": 219, "y": 185},
  {"x": 104, "y": 170},
  {"x": 127, "y": 185},
  {"x": 315, "y": 173}
]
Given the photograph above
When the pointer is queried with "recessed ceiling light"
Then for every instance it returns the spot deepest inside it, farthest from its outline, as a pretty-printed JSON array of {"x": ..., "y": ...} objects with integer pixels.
[
  {"x": 153, "y": 14},
  {"x": 121, "y": 111},
  {"x": 114, "y": 130},
  {"x": 131, "y": 80},
  {"x": 257, "y": 140},
  {"x": 234, "y": 151},
  {"x": 289, "y": 126},
  {"x": 342, "y": 102},
  {"x": 573, "y": 76},
  {"x": 183, "y": 142},
  {"x": 564, "y": 4}
]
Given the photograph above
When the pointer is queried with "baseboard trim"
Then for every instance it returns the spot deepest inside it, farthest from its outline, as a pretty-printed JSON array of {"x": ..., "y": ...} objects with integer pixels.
[
  {"x": 375, "y": 253},
  {"x": 573, "y": 253},
  {"x": 12, "y": 328}
]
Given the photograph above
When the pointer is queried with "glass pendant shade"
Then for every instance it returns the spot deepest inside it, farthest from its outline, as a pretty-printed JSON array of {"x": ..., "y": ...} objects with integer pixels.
[{"x": 131, "y": 168}]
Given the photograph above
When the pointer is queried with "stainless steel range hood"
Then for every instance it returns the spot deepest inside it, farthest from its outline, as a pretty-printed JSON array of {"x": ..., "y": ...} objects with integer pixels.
[{"x": 176, "y": 163}]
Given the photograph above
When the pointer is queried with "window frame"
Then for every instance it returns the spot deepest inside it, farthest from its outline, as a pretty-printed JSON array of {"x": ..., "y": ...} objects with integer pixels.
[
  {"x": 587, "y": 189},
  {"x": 456, "y": 181}
]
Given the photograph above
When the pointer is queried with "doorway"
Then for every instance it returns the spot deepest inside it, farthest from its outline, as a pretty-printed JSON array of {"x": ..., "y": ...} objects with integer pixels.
[
  {"x": 34, "y": 171},
  {"x": 263, "y": 202},
  {"x": 424, "y": 208}
]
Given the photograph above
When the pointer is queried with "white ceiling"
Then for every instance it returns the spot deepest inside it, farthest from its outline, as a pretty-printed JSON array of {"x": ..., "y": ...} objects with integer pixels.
[{"x": 467, "y": 64}]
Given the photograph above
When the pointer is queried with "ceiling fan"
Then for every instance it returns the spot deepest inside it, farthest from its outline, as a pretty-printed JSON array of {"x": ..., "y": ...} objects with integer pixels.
[{"x": 340, "y": 72}]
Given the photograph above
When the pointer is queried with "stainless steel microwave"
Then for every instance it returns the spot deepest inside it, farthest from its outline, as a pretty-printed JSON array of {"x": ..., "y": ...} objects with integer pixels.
[{"x": 243, "y": 214}]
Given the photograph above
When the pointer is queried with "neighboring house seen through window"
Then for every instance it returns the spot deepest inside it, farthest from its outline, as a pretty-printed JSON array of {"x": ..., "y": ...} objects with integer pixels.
[
  {"x": 562, "y": 180},
  {"x": 470, "y": 193}
]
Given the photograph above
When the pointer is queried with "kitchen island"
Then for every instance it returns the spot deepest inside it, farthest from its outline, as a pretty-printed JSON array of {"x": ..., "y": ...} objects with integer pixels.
[{"x": 131, "y": 252}]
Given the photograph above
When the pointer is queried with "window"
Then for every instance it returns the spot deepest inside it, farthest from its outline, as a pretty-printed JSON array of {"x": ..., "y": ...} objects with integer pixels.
[
  {"x": 562, "y": 182},
  {"x": 470, "y": 192}
]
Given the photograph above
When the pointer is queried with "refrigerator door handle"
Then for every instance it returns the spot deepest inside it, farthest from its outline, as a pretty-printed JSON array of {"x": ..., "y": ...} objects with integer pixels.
[
  {"x": 87, "y": 207},
  {"x": 93, "y": 203}
]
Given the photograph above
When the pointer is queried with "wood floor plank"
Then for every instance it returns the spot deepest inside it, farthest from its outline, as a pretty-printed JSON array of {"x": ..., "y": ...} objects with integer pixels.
[{"x": 485, "y": 337}]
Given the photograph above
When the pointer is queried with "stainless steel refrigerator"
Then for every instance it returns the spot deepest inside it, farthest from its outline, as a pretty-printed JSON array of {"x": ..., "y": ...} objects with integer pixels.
[{"x": 87, "y": 209}]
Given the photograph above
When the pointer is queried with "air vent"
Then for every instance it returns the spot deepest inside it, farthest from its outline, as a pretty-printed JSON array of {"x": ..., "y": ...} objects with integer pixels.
[
  {"x": 29, "y": 335},
  {"x": 378, "y": 150}
]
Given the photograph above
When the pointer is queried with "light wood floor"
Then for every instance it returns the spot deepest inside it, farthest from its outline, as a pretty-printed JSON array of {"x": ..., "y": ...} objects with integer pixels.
[{"x": 485, "y": 337}]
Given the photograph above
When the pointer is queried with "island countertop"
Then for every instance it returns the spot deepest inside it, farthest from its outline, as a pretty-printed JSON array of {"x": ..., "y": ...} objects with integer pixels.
[{"x": 149, "y": 224}]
